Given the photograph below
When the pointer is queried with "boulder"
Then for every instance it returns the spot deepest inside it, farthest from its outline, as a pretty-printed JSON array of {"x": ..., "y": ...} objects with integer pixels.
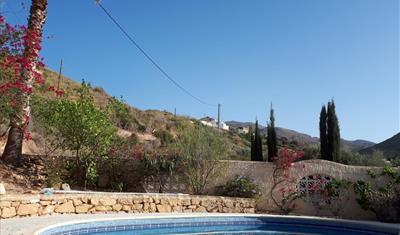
[
  {"x": 28, "y": 209},
  {"x": 67, "y": 207},
  {"x": 8, "y": 212}
]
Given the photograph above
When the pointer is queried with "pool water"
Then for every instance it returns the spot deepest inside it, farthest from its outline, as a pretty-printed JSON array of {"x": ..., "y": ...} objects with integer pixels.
[{"x": 223, "y": 225}]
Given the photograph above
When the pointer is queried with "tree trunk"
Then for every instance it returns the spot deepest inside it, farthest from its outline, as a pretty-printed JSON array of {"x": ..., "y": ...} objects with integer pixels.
[{"x": 13, "y": 149}]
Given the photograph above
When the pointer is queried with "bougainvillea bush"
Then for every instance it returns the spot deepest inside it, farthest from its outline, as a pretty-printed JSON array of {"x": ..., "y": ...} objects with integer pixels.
[
  {"x": 283, "y": 192},
  {"x": 17, "y": 44}
]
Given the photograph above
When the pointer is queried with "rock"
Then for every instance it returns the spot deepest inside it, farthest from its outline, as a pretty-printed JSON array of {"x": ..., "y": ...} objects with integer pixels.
[
  {"x": 48, "y": 210},
  {"x": 153, "y": 207},
  {"x": 107, "y": 201},
  {"x": 65, "y": 187},
  {"x": 137, "y": 207},
  {"x": 94, "y": 201},
  {"x": 249, "y": 210},
  {"x": 103, "y": 208},
  {"x": 5, "y": 204},
  {"x": 2, "y": 189},
  {"x": 28, "y": 209},
  {"x": 125, "y": 201},
  {"x": 67, "y": 207},
  {"x": 117, "y": 207},
  {"x": 126, "y": 208},
  {"x": 186, "y": 202},
  {"x": 15, "y": 204},
  {"x": 195, "y": 201},
  {"x": 187, "y": 211},
  {"x": 163, "y": 208},
  {"x": 82, "y": 208},
  {"x": 8, "y": 212},
  {"x": 201, "y": 209},
  {"x": 77, "y": 202},
  {"x": 177, "y": 209},
  {"x": 45, "y": 203}
]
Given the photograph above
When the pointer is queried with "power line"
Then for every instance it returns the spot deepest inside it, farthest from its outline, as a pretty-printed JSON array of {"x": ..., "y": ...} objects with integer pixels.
[{"x": 150, "y": 58}]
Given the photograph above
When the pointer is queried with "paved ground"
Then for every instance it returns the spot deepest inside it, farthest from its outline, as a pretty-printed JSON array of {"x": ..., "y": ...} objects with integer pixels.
[{"x": 28, "y": 225}]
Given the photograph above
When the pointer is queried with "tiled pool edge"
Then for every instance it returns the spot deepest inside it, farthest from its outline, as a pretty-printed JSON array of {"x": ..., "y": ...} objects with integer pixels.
[{"x": 316, "y": 221}]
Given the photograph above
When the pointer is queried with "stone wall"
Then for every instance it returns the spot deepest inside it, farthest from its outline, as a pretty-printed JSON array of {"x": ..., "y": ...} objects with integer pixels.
[{"x": 37, "y": 205}]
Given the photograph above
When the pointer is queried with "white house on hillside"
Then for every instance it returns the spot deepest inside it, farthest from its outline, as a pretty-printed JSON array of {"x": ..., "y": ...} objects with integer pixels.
[{"x": 209, "y": 121}]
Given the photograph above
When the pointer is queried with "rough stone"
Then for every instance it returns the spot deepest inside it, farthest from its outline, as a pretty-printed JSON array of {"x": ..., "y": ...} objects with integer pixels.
[
  {"x": 117, "y": 207},
  {"x": 201, "y": 209},
  {"x": 163, "y": 208},
  {"x": 137, "y": 207},
  {"x": 82, "y": 208},
  {"x": 45, "y": 203},
  {"x": 102, "y": 208},
  {"x": 94, "y": 201},
  {"x": 8, "y": 212},
  {"x": 48, "y": 210},
  {"x": 153, "y": 207},
  {"x": 126, "y": 208},
  {"x": 195, "y": 201},
  {"x": 249, "y": 210},
  {"x": 77, "y": 202},
  {"x": 107, "y": 201},
  {"x": 177, "y": 209},
  {"x": 187, "y": 211},
  {"x": 28, "y": 209},
  {"x": 5, "y": 204},
  {"x": 15, "y": 204},
  {"x": 125, "y": 201},
  {"x": 186, "y": 202},
  {"x": 67, "y": 207}
]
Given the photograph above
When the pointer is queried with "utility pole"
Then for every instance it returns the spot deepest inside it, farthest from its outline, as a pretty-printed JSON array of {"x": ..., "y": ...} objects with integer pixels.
[
  {"x": 59, "y": 75},
  {"x": 174, "y": 112},
  {"x": 219, "y": 116}
]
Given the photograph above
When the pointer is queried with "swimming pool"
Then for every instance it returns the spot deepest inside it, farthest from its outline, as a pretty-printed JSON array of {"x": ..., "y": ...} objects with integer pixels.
[{"x": 220, "y": 224}]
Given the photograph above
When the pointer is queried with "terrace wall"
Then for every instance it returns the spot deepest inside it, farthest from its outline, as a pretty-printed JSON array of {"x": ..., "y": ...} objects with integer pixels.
[{"x": 37, "y": 205}]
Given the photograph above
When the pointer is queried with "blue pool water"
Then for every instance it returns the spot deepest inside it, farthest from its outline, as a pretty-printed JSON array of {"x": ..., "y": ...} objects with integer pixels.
[{"x": 223, "y": 225}]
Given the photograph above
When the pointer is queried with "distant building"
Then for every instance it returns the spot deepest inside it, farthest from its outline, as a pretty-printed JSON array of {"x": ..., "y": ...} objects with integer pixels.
[
  {"x": 240, "y": 129},
  {"x": 208, "y": 121}
]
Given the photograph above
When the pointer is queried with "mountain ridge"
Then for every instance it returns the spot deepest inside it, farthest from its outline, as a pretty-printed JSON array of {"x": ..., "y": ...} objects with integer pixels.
[{"x": 305, "y": 139}]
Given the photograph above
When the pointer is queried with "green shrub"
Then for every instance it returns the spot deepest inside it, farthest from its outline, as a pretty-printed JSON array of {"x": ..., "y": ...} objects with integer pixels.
[
  {"x": 240, "y": 186},
  {"x": 164, "y": 136}
]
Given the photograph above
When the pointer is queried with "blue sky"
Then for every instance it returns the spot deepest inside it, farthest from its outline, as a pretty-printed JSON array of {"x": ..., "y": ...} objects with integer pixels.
[{"x": 243, "y": 54}]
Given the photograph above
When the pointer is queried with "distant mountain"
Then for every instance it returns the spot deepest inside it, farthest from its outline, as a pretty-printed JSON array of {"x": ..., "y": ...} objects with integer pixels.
[
  {"x": 390, "y": 146},
  {"x": 303, "y": 139}
]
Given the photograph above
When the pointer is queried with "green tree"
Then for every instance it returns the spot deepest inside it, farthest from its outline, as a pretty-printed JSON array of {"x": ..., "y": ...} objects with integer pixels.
[
  {"x": 119, "y": 114},
  {"x": 271, "y": 138},
  {"x": 257, "y": 144},
  {"x": 78, "y": 127},
  {"x": 323, "y": 135},
  {"x": 200, "y": 150},
  {"x": 252, "y": 145},
  {"x": 333, "y": 133}
]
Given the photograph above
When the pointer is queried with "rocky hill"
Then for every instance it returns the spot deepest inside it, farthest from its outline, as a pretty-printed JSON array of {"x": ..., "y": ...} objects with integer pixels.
[
  {"x": 390, "y": 147},
  {"x": 304, "y": 139}
]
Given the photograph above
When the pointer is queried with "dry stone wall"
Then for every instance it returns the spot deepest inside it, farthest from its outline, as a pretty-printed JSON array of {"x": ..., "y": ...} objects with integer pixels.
[{"x": 37, "y": 205}]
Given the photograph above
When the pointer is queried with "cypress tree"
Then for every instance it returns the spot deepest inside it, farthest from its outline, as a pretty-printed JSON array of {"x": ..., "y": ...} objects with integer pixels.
[
  {"x": 323, "y": 133},
  {"x": 333, "y": 133},
  {"x": 252, "y": 145},
  {"x": 257, "y": 144},
  {"x": 271, "y": 138}
]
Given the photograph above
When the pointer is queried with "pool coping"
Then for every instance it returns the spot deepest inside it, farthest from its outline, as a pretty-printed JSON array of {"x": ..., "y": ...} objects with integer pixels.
[{"x": 199, "y": 215}]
